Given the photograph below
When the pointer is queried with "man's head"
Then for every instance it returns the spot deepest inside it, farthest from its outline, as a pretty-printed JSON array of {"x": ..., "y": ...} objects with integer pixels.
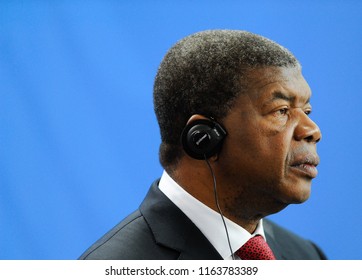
[
  {"x": 254, "y": 88},
  {"x": 204, "y": 74}
]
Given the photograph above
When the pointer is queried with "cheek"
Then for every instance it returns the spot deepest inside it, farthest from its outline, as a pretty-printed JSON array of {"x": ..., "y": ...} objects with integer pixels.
[
  {"x": 277, "y": 143},
  {"x": 260, "y": 160},
  {"x": 258, "y": 148},
  {"x": 270, "y": 161},
  {"x": 271, "y": 151}
]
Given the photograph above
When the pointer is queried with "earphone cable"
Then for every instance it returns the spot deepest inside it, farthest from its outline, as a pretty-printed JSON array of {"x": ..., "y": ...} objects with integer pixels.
[{"x": 218, "y": 206}]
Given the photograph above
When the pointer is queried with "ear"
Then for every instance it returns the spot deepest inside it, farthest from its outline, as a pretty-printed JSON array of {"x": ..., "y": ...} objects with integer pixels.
[{"x": 198, "y": 117}]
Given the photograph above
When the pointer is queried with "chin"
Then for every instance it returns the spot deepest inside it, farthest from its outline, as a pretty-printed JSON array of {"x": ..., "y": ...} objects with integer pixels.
[
  {"x": 298, "y": 194},
  {"x": 300, "y": 200},
  {"x": 295, "y": 187},
  {"x": 300, "y": 197}
]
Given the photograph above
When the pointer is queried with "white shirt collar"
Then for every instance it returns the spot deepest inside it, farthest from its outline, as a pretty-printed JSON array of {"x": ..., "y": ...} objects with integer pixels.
[{"x": 207, "y": 220}]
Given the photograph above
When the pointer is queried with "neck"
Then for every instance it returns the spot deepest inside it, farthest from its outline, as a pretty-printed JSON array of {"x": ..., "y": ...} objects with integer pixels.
[{"x": 197, "y": 179}]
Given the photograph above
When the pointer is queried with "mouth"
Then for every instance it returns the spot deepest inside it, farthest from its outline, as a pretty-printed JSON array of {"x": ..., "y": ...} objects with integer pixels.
[{"x": 306, "y": 165}]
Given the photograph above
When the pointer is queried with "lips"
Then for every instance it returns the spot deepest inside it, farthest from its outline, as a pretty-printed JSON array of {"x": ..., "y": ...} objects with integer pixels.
[{"x": 306, "y": 165}]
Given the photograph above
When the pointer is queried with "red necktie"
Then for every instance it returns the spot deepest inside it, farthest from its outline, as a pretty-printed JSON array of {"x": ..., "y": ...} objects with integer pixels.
[{"x": 255, "y": 249}]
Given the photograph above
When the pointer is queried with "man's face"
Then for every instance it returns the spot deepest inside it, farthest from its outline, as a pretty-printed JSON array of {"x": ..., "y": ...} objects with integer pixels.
[{"x": 269, "y": 156}]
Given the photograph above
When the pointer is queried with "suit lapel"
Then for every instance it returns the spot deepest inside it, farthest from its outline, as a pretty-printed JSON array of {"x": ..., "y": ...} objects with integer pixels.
[
  {"x": 272, "y": 242},
  {"x": 171, "y": 227}
]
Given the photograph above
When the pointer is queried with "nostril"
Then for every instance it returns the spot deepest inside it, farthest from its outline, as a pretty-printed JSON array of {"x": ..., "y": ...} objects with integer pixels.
[{"x": 309, "y": 138}]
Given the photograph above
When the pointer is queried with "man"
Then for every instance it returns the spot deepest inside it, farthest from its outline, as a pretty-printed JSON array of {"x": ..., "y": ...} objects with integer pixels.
[{"x": 237, "y": 145}]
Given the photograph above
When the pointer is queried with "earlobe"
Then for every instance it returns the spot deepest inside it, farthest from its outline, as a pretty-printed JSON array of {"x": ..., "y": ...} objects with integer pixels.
[{"x": 215, "y": 157}]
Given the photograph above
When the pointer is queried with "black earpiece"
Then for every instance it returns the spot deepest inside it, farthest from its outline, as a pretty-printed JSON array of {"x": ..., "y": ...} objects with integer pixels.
[{"x": 202, "y": 137}]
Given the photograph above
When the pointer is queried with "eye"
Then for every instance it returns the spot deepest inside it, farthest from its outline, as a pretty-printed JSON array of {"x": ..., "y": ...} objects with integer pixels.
[
  {"x": 308, "y": 111},
  {"x": 283, "y": 111}
]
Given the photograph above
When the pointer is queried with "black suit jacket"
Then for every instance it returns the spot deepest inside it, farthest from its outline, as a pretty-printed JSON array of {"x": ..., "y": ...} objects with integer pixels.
[{"x": 160, "y": 230}]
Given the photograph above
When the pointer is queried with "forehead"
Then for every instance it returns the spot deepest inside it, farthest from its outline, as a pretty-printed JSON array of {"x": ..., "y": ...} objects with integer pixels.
[{"x": 270, "y": 83}]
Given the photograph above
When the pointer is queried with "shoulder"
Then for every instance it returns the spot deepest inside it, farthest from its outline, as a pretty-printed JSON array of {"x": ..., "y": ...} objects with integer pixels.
[
  {"x": 290, "y": 245},
  {"x": 130, "y": 239}
]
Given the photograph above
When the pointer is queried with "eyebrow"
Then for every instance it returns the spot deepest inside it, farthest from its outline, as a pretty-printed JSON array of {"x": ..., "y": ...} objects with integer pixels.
[{"x": 280, "y": 95}]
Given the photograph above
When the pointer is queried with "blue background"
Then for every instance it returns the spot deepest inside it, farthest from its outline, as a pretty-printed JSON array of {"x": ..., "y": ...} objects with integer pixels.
[{"x": 79, "y": 139}]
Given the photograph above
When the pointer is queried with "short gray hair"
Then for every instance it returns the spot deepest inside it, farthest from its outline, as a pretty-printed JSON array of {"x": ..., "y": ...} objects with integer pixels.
[{"x": 204, "y": 74}]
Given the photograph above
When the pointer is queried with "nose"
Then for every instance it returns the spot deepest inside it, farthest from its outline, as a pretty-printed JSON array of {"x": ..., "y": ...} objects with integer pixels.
[{"x": 307, "y": 129}]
